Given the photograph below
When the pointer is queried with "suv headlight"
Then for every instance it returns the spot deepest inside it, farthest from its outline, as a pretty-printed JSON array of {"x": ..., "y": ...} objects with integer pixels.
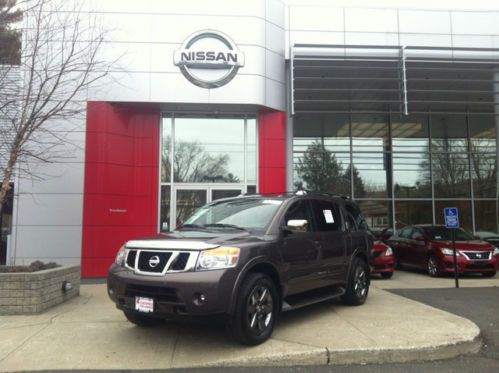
[
  {"x": 496, "y": 251},
  {"x": 120, "y": 257},
  {"x": 219, "y": 258},
  {"x": 389, "y": 251},
  {"x": 447, "y": 251}
]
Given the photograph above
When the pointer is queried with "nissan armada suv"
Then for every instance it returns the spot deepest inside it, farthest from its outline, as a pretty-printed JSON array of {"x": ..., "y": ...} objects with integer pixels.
[{"x": 248, "y": 258}]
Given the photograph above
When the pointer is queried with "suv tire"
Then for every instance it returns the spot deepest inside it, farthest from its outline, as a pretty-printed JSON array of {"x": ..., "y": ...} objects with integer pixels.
[
  {"x": 255, "y": 310},
  {"x": 142, "y": 320},
  {"x": 358, "y": 283}
]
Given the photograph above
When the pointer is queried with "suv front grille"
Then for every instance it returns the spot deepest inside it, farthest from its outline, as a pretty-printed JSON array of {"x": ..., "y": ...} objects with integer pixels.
[
  {"x": 159, "y": 262},
  {"x": 477, "y": 255}
]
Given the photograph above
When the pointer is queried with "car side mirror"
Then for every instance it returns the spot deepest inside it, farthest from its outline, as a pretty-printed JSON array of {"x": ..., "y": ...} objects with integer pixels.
[
  {"x": 476, "y": 237},
  {"x": 420, "y": 239},
  {"x": 296, "y": 226}
]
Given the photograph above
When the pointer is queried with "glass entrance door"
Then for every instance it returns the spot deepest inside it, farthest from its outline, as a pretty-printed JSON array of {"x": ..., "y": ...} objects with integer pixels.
[{"x": 189, "y": 198}]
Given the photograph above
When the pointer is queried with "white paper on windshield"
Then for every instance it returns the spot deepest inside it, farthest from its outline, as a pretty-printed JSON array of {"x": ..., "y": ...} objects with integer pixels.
[
  {"x": 328, "y": 215},
  {"x": 271, "y": 202}
]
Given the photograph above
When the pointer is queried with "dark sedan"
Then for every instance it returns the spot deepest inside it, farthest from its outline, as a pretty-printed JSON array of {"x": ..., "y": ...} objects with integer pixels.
[{"x": 430, "y": 247}]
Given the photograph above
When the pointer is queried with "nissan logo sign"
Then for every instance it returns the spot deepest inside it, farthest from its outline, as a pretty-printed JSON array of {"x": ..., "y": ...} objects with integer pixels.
[
  {"x": 154, "y": 261},
  {"x": 209, "y": 59}
]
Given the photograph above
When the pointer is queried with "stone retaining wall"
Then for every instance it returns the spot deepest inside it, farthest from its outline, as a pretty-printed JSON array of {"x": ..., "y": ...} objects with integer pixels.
[{"x": 28, "y": 293}]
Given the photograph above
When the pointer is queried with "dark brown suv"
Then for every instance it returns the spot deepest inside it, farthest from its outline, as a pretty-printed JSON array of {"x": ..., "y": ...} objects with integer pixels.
[{"x": 247, "y": 258}]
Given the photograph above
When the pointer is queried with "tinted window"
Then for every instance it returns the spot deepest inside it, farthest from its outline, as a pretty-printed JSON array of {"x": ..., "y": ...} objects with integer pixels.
[
  {"x": 357, "y": 216},
  {"x": 327, "y": 216},
  {"x": 299, "y": 210},
  {"x": 445, "y": 234},
  {"x": 406, "y": 232},
  {"x": 416, "y": 233},
  {"x": 351, "y": 222}
]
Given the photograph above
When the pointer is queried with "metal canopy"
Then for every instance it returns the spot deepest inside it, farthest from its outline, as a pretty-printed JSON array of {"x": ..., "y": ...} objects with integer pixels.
[{"x": 396, "y": 79}]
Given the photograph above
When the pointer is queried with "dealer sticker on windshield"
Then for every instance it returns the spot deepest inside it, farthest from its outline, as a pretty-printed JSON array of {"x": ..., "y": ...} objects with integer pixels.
[{"x": 144, "y": 304}]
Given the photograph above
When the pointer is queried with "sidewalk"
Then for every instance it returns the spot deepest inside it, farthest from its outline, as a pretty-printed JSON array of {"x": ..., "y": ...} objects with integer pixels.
[{"x": 89, "y": 333}]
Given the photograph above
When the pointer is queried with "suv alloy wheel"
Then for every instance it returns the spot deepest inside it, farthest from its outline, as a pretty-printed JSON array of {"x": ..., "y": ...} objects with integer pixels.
[
  {"x": 358, "y": 283},
  {"x": 256, "y": 310}
]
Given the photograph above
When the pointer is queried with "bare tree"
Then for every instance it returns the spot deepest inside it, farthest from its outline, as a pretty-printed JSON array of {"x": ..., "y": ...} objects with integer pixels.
[{"x": 59, "y": 62}]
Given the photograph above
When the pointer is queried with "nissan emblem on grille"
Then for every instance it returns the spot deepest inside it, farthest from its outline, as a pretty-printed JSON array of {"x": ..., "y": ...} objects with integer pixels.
[{"x": 154, "y": 261}]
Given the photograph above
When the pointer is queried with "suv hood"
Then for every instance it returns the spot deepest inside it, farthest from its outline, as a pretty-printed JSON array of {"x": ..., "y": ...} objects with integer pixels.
[{"x": 190, "y": 240}]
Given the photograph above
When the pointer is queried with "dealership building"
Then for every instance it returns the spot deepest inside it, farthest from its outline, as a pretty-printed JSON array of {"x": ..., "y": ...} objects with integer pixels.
[{"x": 395, "y": 107}]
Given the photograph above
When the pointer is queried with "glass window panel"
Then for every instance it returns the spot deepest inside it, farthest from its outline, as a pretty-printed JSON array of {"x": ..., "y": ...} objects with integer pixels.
[
  {"x": 483, "y": 126},
  {"x": 202, "y": 155},
  {"x": 484, "y": 173},
  {"x": 451, "y": 175},
  {"x": 165, "y": 150},
  {"x": 449, "y": 133},
  {"x": 224, "y": 193},
  {"x": 332, "y": 129},
  {"x": 165, "y": 209},
  {"x": 413, "y": 212},
  {"x": 370, "y": 132},
  {"x": 251, "y": 189},
  {"x": 411, "y": 175},
  {"x": 370, "y": 175},
  {"x": 187, "y": 202},
  {"x": 378, "y": 214},
  {"x": 410, "y": 134},
  {"x": 465, "y": 213},
  {"x": 319, "y": 169},
  {"x": 486, "y": 216},
  {"x": 251, "y": 146}
]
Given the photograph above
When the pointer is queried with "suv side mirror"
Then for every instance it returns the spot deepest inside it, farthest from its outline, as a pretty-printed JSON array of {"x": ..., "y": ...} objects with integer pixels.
[{"x": 296, "y": 226}]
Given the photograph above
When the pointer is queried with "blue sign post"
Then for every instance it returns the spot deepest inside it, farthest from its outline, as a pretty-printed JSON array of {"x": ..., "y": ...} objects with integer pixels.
[{"x": 452, "y": 222}]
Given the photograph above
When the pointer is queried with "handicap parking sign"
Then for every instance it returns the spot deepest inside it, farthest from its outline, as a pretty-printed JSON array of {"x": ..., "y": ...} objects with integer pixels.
[{"x": 451, "y": 217}]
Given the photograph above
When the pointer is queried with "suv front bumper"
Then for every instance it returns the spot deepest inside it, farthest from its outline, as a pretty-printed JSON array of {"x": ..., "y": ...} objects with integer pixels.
[{"x": 175, "y": 293}]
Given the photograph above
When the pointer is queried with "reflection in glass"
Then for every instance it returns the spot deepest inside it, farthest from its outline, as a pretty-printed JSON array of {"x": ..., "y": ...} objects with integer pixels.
[
  {"x": 370, "y": 175},
  {"x": 378, "y": 214},
  {"x": 319, "y": 169},
  {"x": 251, "y": 146},
  {"x": 411, "y": 175},
  {"x": 465, "y": 213},
  {"x": 165, "y": 149},
  {"x": 187, "y": 202},
  {"x": 413, "y": 212},
  {"x": 451, "y": 175},
  {"x": 165, "y": 209},
  {"x": 410, "y": 134},
  {"x": 224, "y": 193},
  {"x": 486, "y": 216},
  {"x": 203, "y": 155},
  {"x": 370, "y": 132},
  {"x": 449, "y": 133}
]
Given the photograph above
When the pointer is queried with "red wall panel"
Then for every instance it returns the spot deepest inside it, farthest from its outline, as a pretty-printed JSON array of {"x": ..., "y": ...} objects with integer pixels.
[
  {"x": 272, "y": 152},
  {"x": 121, "y": 181}
]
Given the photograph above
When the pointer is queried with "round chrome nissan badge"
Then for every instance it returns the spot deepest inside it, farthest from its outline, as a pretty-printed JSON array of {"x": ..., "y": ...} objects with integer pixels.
[
  {"x": 154, "y": 261},
  {"x": 209, "y": 59}
]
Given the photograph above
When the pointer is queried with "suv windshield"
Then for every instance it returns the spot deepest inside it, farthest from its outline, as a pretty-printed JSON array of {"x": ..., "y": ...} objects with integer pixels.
[
  {"x": 444, "y": 234},
  {"x": 246, "y": 213}
]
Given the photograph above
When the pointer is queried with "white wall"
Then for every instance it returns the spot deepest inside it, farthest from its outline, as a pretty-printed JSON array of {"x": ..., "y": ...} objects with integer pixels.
[{"x": 465, "y": 24}]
